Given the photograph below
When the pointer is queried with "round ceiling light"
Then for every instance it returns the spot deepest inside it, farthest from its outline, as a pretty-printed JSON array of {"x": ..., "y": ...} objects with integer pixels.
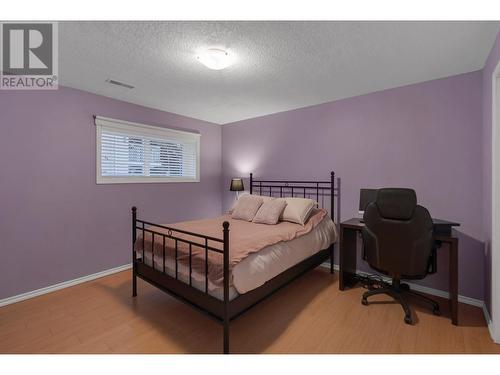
[{"x": 215, "y": 58}]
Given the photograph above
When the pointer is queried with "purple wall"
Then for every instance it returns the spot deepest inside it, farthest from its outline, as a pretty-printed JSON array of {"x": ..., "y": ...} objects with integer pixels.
[
  {"x": 489, "y": 68},
  {"x": 56, "y": 224},
  {"x": 426, "y": 136}
]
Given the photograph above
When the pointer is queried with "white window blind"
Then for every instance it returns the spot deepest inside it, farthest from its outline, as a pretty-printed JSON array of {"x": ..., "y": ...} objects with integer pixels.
[{"x": 130, "y": 152}]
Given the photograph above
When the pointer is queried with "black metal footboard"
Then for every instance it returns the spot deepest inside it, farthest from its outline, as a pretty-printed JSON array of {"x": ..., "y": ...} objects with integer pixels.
[
  {"x": 223, "y": 310},
  {"x": 202, "y": 300}
]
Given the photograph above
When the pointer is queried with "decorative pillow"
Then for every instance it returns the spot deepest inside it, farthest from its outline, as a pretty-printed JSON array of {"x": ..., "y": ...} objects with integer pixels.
[
  {"x": 270, "y": 211},
  {"x": 246, "y": 207},
  {"x": 236, "y": 201},
  {"x": 265, "y": 198},
  {"x": 297, "y": 210}
]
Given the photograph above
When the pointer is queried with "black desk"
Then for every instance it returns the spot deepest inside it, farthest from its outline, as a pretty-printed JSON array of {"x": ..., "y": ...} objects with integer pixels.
[{"x": 349, "y": 231}]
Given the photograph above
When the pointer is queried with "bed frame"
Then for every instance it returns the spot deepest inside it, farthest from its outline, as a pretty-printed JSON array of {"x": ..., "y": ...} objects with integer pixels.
[{"x": 224, "y": 311}]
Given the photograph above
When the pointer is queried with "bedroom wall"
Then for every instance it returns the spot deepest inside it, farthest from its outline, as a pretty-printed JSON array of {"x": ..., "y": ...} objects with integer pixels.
[
  {"x": 489, "y": 68},
  {"x": 426, "y": 136},
  {"x": 56, "y": 224}
]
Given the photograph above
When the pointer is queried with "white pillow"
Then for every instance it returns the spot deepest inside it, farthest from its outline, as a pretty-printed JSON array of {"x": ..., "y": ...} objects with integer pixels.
[{"x": 298, "y": 210}]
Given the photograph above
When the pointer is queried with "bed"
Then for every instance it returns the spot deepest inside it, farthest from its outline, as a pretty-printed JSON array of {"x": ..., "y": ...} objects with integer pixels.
[{"x": 200, "y": 264}]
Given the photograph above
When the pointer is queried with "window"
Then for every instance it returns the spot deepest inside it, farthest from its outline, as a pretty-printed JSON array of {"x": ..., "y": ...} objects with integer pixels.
[{"x": 129, "y": 152}]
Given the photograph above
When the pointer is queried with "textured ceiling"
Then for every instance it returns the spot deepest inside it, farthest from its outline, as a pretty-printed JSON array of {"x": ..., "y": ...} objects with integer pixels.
[{"x": 279, "y": 66}]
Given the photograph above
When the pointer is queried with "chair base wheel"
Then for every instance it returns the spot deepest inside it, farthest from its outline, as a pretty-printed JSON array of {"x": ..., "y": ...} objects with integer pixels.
[
  {"x": 364, "y": 302},
  {"x": 436, "y": 311},
  {"x": 408, "y": 320}
]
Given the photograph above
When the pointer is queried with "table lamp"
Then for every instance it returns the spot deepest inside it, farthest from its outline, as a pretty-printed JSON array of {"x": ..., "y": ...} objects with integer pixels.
[{"x": 237, "y": 185}]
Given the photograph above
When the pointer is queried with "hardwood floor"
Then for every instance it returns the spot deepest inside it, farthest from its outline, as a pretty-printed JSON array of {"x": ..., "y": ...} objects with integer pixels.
[{"x": 308, "y": 316}]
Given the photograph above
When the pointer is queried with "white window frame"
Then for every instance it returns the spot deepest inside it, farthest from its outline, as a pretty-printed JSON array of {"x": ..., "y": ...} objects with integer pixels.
[{"x": 142, "y": 129}]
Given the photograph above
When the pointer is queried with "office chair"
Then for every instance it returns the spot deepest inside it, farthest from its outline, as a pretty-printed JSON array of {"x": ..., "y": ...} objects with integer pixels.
[{"x": 398, "y": 241}]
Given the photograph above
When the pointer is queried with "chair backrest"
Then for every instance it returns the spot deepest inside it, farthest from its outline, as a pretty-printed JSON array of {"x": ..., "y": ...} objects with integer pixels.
[{"x": 398, "y": 234}]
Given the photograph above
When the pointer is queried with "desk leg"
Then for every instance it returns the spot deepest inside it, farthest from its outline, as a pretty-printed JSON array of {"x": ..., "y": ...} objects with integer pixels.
[
  {"x": 454, "y": 280},
  {"x": 332, "y": 249},
  {"x": 347, "y": 257}
]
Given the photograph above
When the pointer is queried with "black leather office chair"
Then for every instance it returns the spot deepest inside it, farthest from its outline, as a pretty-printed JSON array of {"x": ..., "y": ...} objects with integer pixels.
[{"x": 398, "y": 241}]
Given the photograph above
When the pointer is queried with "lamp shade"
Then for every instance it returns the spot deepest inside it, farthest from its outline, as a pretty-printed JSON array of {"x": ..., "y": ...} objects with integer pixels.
[{"x": 236, "y": 184}]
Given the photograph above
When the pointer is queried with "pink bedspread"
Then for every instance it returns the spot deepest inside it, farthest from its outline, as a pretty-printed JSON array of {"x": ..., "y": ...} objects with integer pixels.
[{"x": 245, "y": 238}]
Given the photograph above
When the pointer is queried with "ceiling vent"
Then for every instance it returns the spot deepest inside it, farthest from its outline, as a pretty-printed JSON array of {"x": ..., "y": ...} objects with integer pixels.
[{"x": 118, "y": 83}]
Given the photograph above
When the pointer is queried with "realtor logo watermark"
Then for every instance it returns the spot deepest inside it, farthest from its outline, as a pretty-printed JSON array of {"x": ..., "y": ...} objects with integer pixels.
[{"x": 28, "y": 56}]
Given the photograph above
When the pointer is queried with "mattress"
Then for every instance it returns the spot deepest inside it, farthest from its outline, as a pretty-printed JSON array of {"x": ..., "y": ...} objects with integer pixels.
[{"x": 257, "y": 268}]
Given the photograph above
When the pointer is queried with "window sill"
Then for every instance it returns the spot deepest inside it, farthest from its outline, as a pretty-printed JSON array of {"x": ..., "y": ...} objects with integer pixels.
[{"x": 143, "y": 180}]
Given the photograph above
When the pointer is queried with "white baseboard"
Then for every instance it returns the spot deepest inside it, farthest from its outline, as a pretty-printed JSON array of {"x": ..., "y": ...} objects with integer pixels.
[
  {"x": 424, "y": 289},
  {"x": 65, "y": 284},
  {"x": 487, "y": 316},
  {"x": 490, "y": 323}
]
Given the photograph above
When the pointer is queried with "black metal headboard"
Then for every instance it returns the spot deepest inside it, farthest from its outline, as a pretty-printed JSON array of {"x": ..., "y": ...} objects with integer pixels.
[{"x": 318, "y": 190}]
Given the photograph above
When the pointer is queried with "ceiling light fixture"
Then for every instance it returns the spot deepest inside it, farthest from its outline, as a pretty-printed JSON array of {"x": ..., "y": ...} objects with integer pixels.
[{"x": 215, "y": 58}]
